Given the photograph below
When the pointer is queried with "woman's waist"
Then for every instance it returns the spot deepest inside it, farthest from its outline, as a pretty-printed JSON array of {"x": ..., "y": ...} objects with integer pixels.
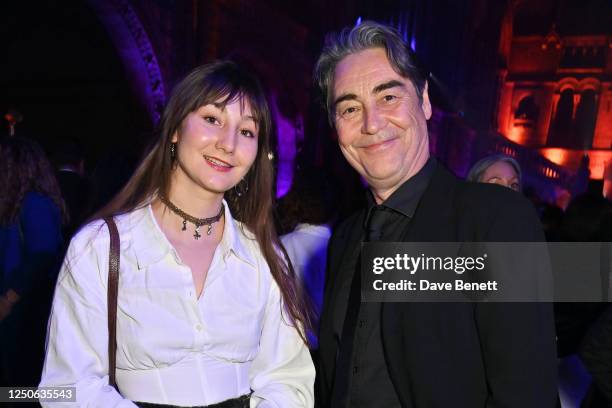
[{"x": 196, "y": 380}]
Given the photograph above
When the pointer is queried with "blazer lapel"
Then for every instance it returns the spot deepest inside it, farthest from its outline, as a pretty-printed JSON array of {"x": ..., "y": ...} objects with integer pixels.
[{"x": 348, "y": 245}]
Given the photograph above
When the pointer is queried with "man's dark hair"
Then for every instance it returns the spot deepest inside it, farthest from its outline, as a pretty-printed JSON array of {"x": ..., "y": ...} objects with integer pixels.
[{"x": 365, "y": 36}]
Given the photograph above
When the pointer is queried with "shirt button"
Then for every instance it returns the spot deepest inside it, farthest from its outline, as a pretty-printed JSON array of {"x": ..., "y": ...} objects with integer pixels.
[
  {"x": 198, "y": 327},
  {"x": 362, "y": 323},
  {"x": 355, "y": 370}
]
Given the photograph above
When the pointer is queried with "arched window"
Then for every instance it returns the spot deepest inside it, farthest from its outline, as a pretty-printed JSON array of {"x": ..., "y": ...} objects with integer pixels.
[
  {"x": 586, "y": 115},
  {"x": 527, "y": 110},
  {"x": 561, "y": 130}
]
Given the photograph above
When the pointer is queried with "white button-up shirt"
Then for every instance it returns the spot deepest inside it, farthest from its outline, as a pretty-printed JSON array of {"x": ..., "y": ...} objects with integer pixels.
[{"x": 173, "y": 348}]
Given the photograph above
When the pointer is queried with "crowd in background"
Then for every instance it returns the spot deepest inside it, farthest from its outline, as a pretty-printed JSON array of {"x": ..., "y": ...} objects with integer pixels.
[{"x": 45, "y": 199}]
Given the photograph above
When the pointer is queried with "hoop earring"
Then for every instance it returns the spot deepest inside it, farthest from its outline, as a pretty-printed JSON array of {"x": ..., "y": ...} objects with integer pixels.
[
  {"x": 172, "y": 151},
  {"x": 241, "y": 188}
]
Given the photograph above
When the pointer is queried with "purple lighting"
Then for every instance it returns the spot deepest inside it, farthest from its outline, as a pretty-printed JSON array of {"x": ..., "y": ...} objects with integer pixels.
[
  {"x": 135, "y": 50},
  {"x": 289, "y": 135}
]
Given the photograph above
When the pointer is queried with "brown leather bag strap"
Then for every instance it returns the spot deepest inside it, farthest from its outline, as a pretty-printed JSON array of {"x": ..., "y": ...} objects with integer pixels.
[{"x": 111, "y": 298}]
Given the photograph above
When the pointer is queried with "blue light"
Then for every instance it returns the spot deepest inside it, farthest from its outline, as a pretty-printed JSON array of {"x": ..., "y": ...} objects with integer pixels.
[{"x": 358, "y": 21}]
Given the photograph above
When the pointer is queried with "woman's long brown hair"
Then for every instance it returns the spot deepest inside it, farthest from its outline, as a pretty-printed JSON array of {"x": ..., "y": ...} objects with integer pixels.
[
  {"x": 24, "y": 168},
  {"x": 226, "y": 81}
]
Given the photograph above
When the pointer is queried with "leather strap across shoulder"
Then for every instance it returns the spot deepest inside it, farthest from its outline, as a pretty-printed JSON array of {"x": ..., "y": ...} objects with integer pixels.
[{"x": 113, "y": 280}]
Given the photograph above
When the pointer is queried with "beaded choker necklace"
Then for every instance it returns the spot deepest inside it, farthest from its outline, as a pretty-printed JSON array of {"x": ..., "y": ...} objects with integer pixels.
[{"x": 198, "y": 222}]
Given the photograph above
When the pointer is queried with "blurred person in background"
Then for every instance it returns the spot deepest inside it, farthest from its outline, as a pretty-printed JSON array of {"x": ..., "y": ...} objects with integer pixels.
[
  {"x": 308, "y": 211},
  {"x": 596, "y": 353},
  {"x": 497, "y": 169},
  {"x": 109, "y": 175},
  {"x": 31, "y": 215},
  {"x": 70, "y": 163},
  {"x": 552, "y": 218},
  {"x": 584, "y": 329}
]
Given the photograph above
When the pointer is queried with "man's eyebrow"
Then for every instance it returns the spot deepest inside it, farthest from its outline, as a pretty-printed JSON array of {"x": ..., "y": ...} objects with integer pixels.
[
  {"x": 377, "y": 89},
  {"x": 387, "y": 85},
  {"x": 345, "y": 97}
]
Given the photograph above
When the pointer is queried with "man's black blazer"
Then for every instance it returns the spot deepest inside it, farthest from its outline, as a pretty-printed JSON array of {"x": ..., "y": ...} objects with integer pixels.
[{"x": 460, "y": 355}]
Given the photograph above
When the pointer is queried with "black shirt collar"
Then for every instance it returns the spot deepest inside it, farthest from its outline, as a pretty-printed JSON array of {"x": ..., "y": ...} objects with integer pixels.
[{"x": 406, "y": 198}]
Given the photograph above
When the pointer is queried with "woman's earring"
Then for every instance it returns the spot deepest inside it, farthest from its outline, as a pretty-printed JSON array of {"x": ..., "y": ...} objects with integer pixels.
[
  {"x": 241, "y": 188},
  {"x": 172, "y": 151}
]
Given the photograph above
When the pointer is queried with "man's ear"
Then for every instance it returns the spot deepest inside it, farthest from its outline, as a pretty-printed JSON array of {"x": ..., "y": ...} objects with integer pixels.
[{"x": 426, "y": 104}]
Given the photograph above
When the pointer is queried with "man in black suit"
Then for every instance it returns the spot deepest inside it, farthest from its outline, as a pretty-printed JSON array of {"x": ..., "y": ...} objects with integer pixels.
[{"x": 417, "y": 355}]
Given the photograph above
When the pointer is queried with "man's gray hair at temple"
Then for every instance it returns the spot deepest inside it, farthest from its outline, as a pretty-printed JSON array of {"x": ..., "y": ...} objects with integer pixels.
[{"x": 365, "y": 36}]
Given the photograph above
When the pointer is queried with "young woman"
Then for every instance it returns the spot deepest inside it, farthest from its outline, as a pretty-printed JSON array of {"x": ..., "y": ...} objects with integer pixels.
[{"x": 208, "y": 310}]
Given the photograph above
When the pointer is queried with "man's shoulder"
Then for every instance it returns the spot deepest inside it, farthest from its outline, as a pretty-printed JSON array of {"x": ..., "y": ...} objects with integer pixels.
[
  {"x": 479, "y": 200},
  {"x": 496, "y": 213},
  {"x": 485, "y": 197}
]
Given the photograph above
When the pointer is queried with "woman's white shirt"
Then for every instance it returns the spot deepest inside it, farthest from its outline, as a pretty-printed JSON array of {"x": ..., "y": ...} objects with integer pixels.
[{"x": 173, "y": 348}]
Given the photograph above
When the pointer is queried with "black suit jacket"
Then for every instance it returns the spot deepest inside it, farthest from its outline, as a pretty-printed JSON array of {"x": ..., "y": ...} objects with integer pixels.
[{"x": 459, "y": 355}]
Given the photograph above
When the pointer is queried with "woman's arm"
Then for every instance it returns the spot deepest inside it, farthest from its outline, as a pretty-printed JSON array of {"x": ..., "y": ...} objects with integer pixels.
[
  {"x": 40, "y": 228},
  {"x": 77, "y": 342},
  {"x": 282, "y": 374}
]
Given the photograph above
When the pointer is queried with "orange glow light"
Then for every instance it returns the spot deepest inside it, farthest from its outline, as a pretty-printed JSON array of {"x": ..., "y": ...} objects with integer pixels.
[
  {"x": 556, "y": 155},
  {"x": 517, "y": 135}
]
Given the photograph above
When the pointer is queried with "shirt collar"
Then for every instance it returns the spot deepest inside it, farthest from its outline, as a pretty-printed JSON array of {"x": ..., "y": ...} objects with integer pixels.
[
  {"x": 151, "y": 245},
  {"x": 406, "y": 198},
  {"x": 235, "y": 237}
]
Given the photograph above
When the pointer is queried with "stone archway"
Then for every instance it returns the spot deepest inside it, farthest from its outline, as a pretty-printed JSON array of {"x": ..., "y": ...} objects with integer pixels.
[{"x": 135, "y": 50}]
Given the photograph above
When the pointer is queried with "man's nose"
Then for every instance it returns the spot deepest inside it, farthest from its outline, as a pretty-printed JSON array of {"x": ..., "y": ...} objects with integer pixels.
[{"x": 373, "y": 121}]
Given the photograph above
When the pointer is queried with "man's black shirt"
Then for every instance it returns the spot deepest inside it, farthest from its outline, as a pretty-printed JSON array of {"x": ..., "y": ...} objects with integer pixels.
[{"x": 368, "y": 370}]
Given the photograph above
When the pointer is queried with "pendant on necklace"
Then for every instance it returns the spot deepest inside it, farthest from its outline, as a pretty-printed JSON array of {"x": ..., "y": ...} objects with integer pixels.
[
  {"x": 197, "y": 235},
  {"x": 184, "y": 225},
  {"x": 209, "y": 229}
]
